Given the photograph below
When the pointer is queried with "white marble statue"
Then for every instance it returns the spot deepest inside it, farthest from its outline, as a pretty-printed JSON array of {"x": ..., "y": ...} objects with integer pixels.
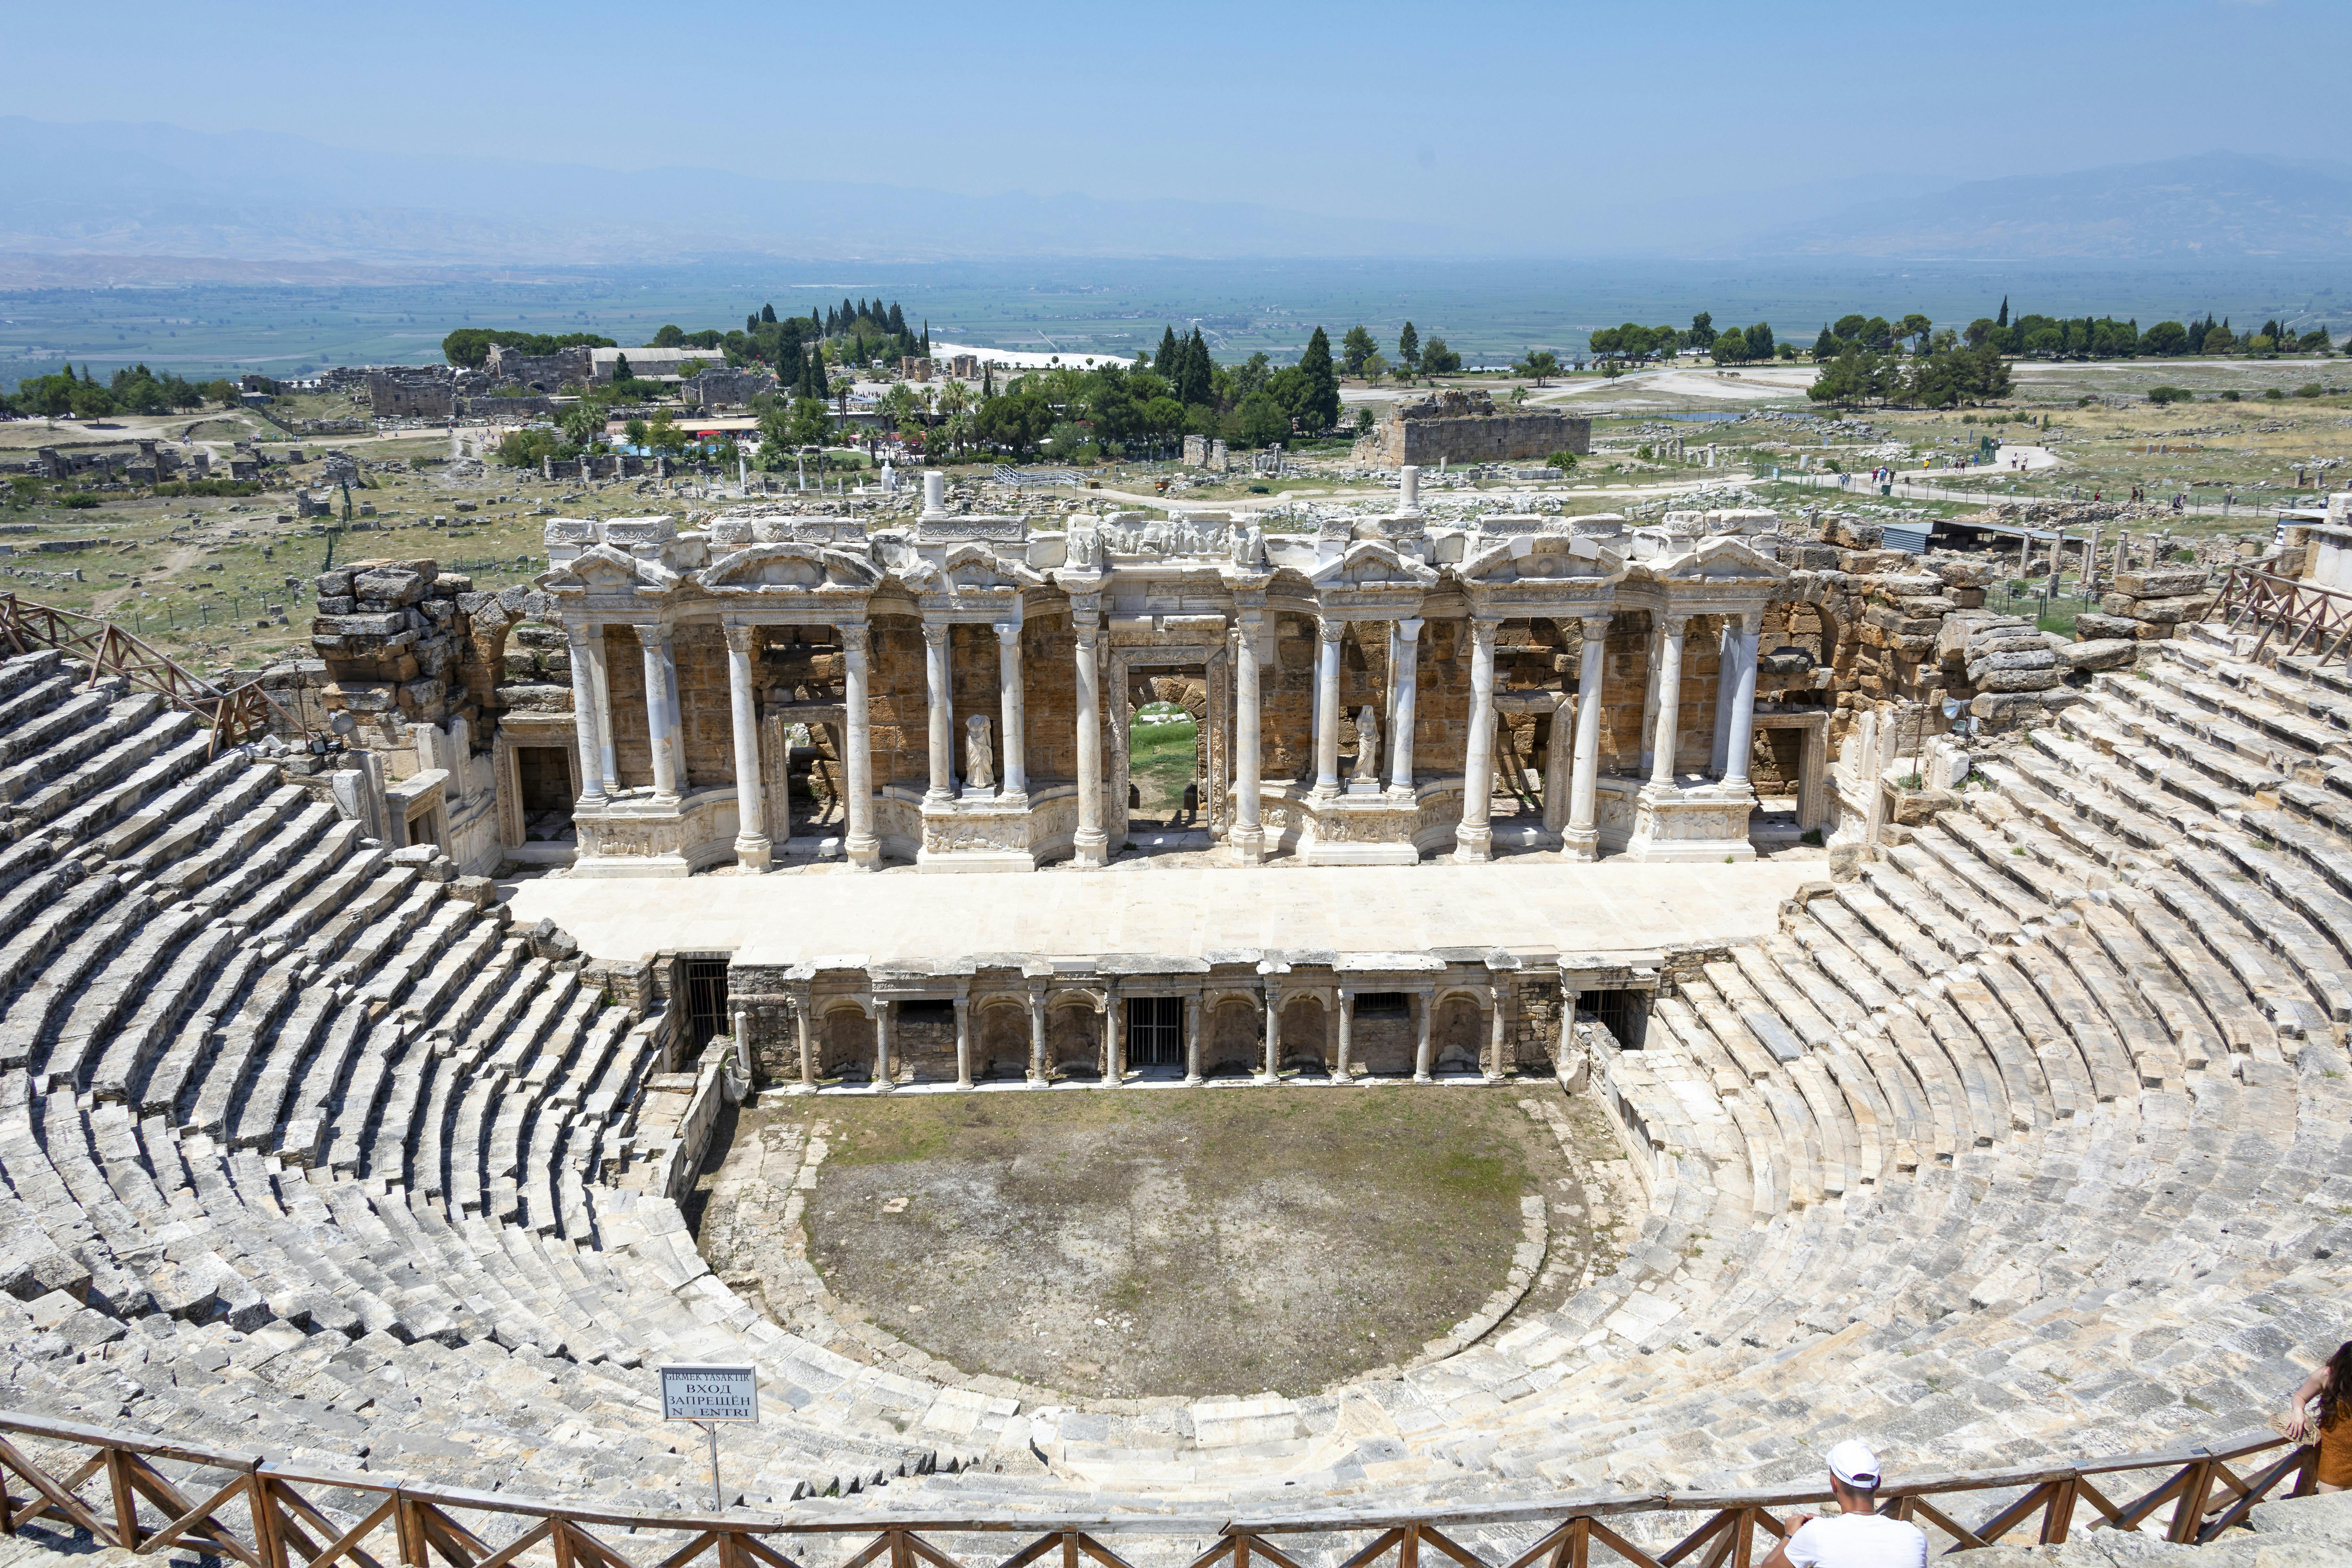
[
  {"x": 1368, "y": 746},
  {"x": 979, "y": 753}
]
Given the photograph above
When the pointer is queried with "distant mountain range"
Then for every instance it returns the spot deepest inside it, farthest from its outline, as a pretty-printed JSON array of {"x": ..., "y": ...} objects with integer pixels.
[
  {"x": 2215, "y": 207},
  {"x": 166, "y": 204}
]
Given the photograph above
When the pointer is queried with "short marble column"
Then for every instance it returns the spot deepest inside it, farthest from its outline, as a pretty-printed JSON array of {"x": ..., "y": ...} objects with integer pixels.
[
  {"x": 1114, "y": 1037},
  {"x": 1494, "y": 1073},
  {"x": 1089, "y": 844},
  {"x": 1670, "y": 702},
  {"x": 1474, "y": 838},
  {"x": 963, "y": 1042},
  {"x": 1742, "y": 739},
  {"x": 1580, "y": 839},
  {"x": 1326, "y": 705},
  {"x": 1407, "y": 684},
  {"x": 1424, "y": 1049},
  {"x": 1346, "y": 1064},
  {"x": 584, "y": 713},
  {"x": 752, "y": 847},
  {"x": 606, "y": 755},
  {"x": 1193, "y": 1039},
  {"x": 1037, "y": 1037},
  {"x": 1248, "y": 834},
  {"x": 1270, "y": 1070},
  {"x": 938, "y": 692},
  {"x": 859, "y": 843},
  {"x": 1013, "y": 770},
  {"x": 655, "y": 640},
  {"x": 807, "y": 1036},
  {"x": 885, "y": 1022}
]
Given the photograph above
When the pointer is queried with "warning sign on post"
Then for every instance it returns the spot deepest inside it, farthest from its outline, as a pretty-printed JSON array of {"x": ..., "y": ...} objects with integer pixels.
[{"x": 709, "y": 1393}]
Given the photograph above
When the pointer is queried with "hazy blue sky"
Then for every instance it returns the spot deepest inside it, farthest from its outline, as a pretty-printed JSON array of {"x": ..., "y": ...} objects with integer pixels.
[{"x": 1318, "y": 108}]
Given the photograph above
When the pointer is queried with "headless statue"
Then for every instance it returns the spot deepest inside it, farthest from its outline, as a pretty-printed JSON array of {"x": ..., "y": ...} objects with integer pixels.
[
  {"x": 1368, "y": 746},
  {"x": 979, "y": 753}
]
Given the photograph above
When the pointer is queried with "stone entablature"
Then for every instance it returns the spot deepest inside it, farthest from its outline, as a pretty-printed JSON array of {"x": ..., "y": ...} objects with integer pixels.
[{"x": 972, "y": 678}]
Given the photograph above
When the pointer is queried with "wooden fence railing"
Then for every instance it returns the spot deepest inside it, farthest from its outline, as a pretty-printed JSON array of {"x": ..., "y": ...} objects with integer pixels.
[
  {"x": 234, "y": 716},
  {"x": 158, "y": 1495},
  {"x": 2284, "y": 606}
]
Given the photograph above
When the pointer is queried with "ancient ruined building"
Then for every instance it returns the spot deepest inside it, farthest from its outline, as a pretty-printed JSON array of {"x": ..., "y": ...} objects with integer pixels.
[
  {"x": 692, "y": 652},
  {"x": 2022, "y": 1143},
  {"x": 1458, "y": 427}
]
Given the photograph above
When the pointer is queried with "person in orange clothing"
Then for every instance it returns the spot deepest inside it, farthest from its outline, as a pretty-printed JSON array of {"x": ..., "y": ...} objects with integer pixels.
[{"x": 2331, "y": 1385}]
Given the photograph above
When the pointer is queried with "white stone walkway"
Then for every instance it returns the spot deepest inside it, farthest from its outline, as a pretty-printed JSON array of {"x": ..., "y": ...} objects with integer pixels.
[{"x": 1615, "y": 905}]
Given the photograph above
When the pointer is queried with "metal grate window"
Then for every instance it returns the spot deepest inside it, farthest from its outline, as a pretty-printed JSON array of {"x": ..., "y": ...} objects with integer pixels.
[
  {"x": 706, "y": 1001},
  {"x": 1155, "y": 1031},
  {"x": 1626, "y": 1013}
]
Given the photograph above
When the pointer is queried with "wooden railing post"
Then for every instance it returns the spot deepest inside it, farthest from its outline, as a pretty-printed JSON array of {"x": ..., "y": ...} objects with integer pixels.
[
  {"x": 2058, "y": 1514},
  {"x": 126, "y": 1502},
  {"x": 2189, "y": 1507}
]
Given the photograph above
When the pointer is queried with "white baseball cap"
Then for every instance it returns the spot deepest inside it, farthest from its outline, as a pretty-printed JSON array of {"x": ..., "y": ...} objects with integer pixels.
[{"x": 1854, "y": 1463}]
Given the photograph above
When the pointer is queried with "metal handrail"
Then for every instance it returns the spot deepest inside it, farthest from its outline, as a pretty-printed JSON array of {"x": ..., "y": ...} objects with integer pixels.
[{"x": 283, "y": 1526}]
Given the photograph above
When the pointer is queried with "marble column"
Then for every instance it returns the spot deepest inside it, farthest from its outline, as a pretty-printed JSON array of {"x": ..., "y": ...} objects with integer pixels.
[
  {"x": 1346, "y": 1068},
  {"x": 1473, "y": 838},
  {"x": 1012, "y": 767},
  {"x": 751, "y": 842},
  {"x": 1407, "y": 684},
  {"x": 655, "y": 640},
  {"x": 584, "y": 715},
  {"x": 1114, "y": 1037},
  {"x": 1494, "y": 1073},
  {"x": 1091, "y": 843},
  {"x": 1727, "y": 653},
  {"x": 1270, "y": 1070},
  {"x": 1580, "y": 839},
  {"x": 1193, "y": 1039},
  {"x": 1742, "y": 740},
  {"x": 859, "y": 843},
  {"x": 1037, "y": 1037},
  {"x": 807, "y": 1036},
  {"x": 1424, "y": 1047},
  {"x": 963, "y": 1041},
  {"x": 885, "y": 1019},
  {"x": 1654, "y": 651},
  {"x": 1248, "y": 834},
  {"x": 1326, "y": 705},
  {"x": 938, "y": 692},
  {"x": 1669, "y": 683},
  {"x": 607, "y": 756}
]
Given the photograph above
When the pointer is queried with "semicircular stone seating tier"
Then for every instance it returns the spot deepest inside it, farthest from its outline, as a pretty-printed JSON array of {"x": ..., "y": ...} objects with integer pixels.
[{"x": 2030, "y": 1141}]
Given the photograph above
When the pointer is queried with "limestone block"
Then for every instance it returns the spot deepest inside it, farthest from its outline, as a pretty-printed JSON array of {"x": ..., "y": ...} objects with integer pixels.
[
  {"x": 2124, "y": 605},
  {"x": 2184, "y": 607},
  {"x": 2038, "y": 658},
  {"x": 422, "y": 696},
  {"x": 2102, "y": 653},
  {"x": 2022, "y": 641},
  {"x": 361, "y": 696},
  {"x": 390, "y": 585},
  {"x": 2160, "y": 583},
  {"x": 389, "y": 624},
  {"x": 335, "y": 583},
  {"x": 2092, "y": 627},
  {"x": 2011, "y": 680},
  {"x": 339, "y": 605}
]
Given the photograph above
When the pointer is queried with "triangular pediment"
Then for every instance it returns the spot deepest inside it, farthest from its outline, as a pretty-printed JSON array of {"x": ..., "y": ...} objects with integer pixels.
[
  {"x": 790, "y": 565},
  {"x": 1370, "y": 565},
  {"x": 604, "y": 568}
]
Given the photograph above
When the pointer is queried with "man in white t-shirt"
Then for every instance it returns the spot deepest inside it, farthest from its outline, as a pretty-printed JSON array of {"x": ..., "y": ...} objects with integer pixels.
[{"x": 1857, "y": 1535}]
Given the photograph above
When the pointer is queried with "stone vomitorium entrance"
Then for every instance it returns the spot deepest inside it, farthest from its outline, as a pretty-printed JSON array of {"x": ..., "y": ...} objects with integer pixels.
[{"x": 962, "y": 694}]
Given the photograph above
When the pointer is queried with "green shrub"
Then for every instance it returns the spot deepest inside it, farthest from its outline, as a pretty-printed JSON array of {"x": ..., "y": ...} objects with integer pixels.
[
  {"x": 2309, "y": 389},
  {"x": 2160, "y": 395},
  {"x": 80, "y": 501}
]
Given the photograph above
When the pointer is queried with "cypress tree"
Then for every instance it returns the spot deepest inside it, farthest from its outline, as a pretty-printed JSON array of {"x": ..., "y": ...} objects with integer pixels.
[
  {"x": 751, "y": 324},
  {"x": 1409, "y": 348},
  {"x": 1164, "y": 362},
  {"x": 1323, "y": 398},
  {"x": 927, "y": 337},
  {"x": 1200, "y": 383},
  {"x": 988, "y": 380},
  {"x": 767, "y": 312},
  {"x": 819, "y": 387},
  {"x": 2002, "y": 319},
  {"x": 897, "y": 319}
]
